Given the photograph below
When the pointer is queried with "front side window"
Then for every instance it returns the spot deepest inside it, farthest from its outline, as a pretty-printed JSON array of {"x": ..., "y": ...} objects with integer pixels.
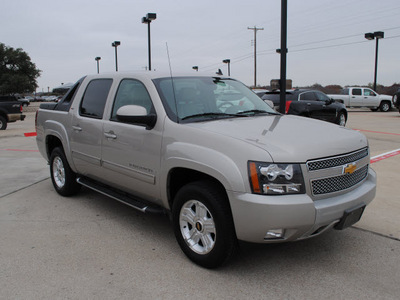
[
  {"x": 191, "y": 99},
  {"x": 131, "y": 92},
  {"x": 95, "y": 97},
  {"x": 321, "y": 96},
  {"x": 368, "y": 92},
  {"x": 308, "y": 96}
]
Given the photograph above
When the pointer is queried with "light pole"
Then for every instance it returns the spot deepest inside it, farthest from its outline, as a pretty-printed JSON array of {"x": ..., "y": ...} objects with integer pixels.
[
  {"x": 370, "y": 36},
  {"x": 195, "y": 68},
  {"x": 115, "y": 45},
  {"x": 97, "y": 60},
  {"x": 228, "y": 61},
  {"x": 147, "y": 20}
]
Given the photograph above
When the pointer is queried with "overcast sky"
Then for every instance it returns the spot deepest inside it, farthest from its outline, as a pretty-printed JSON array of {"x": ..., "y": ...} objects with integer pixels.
[{"x": 325, "y": 38}]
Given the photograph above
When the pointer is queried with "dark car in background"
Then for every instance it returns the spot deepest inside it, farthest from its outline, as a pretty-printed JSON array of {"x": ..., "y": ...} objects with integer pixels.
[
  {"x": 311, "y": 104},
  {"x": 10, "y": 111}
]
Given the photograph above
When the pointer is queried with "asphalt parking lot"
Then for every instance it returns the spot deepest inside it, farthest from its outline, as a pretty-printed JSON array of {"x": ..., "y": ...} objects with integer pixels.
[{"x": 92, "y": 247}]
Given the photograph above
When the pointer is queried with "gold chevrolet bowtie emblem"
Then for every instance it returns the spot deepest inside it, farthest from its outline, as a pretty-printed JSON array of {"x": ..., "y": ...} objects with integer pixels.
[{"x": 349, "y": 169}]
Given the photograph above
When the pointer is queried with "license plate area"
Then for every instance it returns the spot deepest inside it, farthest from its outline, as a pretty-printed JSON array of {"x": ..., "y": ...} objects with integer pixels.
[{"x": 350, "y": 217}]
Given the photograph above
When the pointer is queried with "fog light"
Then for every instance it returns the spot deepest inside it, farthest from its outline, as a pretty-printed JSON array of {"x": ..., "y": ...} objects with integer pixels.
[
  {"x": 272, "y": 188},
  {"x": 274, "y": 234}
]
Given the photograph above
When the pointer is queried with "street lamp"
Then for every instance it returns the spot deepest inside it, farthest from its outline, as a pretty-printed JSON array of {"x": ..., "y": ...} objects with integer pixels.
[
  {"x": 115, "y": 45},
  {"x": 228, "y": 61},
  {"x": 97, "y": 60},
  {"x": 147, "y": 19},
  {"x": 370, "y": 36},
  {"x": 195, "y": 68}
]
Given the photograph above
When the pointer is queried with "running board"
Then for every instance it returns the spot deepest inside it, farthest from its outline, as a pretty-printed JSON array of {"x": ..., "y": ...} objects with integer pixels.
[{"x": 121, "y": 197}]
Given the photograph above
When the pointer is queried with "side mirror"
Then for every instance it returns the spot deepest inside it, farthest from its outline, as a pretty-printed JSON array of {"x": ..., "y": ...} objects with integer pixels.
[
  {"x": 137, "y": 115},
  {"x": 330, "y": 101}
]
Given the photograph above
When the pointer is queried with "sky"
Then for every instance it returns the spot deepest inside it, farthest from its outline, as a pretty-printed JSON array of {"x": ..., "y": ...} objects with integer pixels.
[{"x": 326, "y": 43}]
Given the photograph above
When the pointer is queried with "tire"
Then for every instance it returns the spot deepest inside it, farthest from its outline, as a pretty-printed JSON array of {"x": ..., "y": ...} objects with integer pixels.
[
  {"x": 63, "y": 178},
  {"x": 385, "y": 106},
  {"x": 203, "y": 224},
  {"x": 3, "y": 123},
  {"x": 341, "y": 119}
]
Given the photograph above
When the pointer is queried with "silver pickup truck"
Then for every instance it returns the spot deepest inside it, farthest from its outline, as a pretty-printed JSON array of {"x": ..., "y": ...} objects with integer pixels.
[{"x": 211, "y": 154}]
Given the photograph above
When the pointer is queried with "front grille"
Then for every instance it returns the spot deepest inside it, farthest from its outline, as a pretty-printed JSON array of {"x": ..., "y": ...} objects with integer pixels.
[
  {"x": 335, "y": 161},
  {"x": 338, "y": 183}
]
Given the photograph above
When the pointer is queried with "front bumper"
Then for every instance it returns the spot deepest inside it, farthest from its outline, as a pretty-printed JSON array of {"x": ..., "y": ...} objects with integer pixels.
[{"x": 299, "y": 216}]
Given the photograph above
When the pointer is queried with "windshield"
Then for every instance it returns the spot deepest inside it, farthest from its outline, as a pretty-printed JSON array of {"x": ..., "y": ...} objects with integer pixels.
[{"x": 193, "y": 99}]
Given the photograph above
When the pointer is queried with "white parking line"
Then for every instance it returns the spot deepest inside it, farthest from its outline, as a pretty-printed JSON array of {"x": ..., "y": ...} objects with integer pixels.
[{"x": 385, "y": 155}]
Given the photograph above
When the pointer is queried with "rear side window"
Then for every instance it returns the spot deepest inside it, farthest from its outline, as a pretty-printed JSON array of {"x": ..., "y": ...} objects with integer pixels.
[
  {"x": 95, "y": 97},
  {"x": 356, "y": 92}
]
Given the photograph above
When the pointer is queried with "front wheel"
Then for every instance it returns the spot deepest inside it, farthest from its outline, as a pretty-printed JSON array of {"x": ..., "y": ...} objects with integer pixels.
[
  {"x": 63, "y": 178},
  {"x": 3, "y": 123},
  {"x": 341, "y": 119},
  {"x": 385, "y": 106},
  {"x": 203, "y": 224}
]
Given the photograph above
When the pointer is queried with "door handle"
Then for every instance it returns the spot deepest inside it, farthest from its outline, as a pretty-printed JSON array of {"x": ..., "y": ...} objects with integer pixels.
[
  {"x": 76, "y": 128},
  {"x": 110, "y": 135}
]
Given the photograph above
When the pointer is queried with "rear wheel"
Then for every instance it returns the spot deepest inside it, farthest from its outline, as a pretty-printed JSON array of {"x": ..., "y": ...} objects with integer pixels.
[
  {"x": 63, "y": 178},
  {"x": 203, "y": 224}
]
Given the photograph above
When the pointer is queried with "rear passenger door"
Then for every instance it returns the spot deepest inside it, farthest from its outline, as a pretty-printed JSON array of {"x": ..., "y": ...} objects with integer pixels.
[
  {"x": 356, "y": 97},
  {"x": 87, "y": 127}
]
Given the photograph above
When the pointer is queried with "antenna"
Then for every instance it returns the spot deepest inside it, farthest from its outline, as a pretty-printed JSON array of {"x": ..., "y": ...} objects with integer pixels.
[{"x": 173, "y": 85}]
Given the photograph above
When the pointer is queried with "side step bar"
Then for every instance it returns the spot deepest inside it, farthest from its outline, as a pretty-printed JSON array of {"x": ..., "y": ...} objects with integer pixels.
[{"x": 121, "y": 197}]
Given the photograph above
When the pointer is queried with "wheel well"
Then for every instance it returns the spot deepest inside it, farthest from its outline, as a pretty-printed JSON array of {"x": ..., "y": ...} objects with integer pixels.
[
  {"x": 179, "y": 177},
  {"x": 2, "y": 114},
  {"x": 51, "y": 143}
]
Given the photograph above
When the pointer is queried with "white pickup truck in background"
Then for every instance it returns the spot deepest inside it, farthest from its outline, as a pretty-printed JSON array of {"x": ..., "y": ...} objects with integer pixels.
[{"x": 363, "y": 97}]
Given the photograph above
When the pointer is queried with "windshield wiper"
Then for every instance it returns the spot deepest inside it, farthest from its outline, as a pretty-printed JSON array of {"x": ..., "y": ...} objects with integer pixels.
[
  {"x": 256, "y": 111},
  {"x": 212, "y": 114}
]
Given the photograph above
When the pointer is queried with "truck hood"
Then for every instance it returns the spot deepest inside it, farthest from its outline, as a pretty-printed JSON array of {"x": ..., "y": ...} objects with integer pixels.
[{"x": 289, "y": 138}]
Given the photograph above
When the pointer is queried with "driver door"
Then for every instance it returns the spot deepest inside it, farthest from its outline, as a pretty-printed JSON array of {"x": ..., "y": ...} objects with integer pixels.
[{"x": 131, "y": 153}]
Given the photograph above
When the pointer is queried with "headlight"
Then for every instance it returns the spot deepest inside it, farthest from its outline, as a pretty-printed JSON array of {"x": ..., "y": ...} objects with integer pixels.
[{"x": 276, "y": 179}]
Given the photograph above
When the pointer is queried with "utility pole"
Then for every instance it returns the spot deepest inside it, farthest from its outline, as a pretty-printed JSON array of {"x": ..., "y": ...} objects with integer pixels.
[{"x": 255, "y": 29}]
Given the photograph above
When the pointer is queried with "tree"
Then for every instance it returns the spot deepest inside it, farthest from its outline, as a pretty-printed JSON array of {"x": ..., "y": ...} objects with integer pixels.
[{"x": 18, "y": 73}]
